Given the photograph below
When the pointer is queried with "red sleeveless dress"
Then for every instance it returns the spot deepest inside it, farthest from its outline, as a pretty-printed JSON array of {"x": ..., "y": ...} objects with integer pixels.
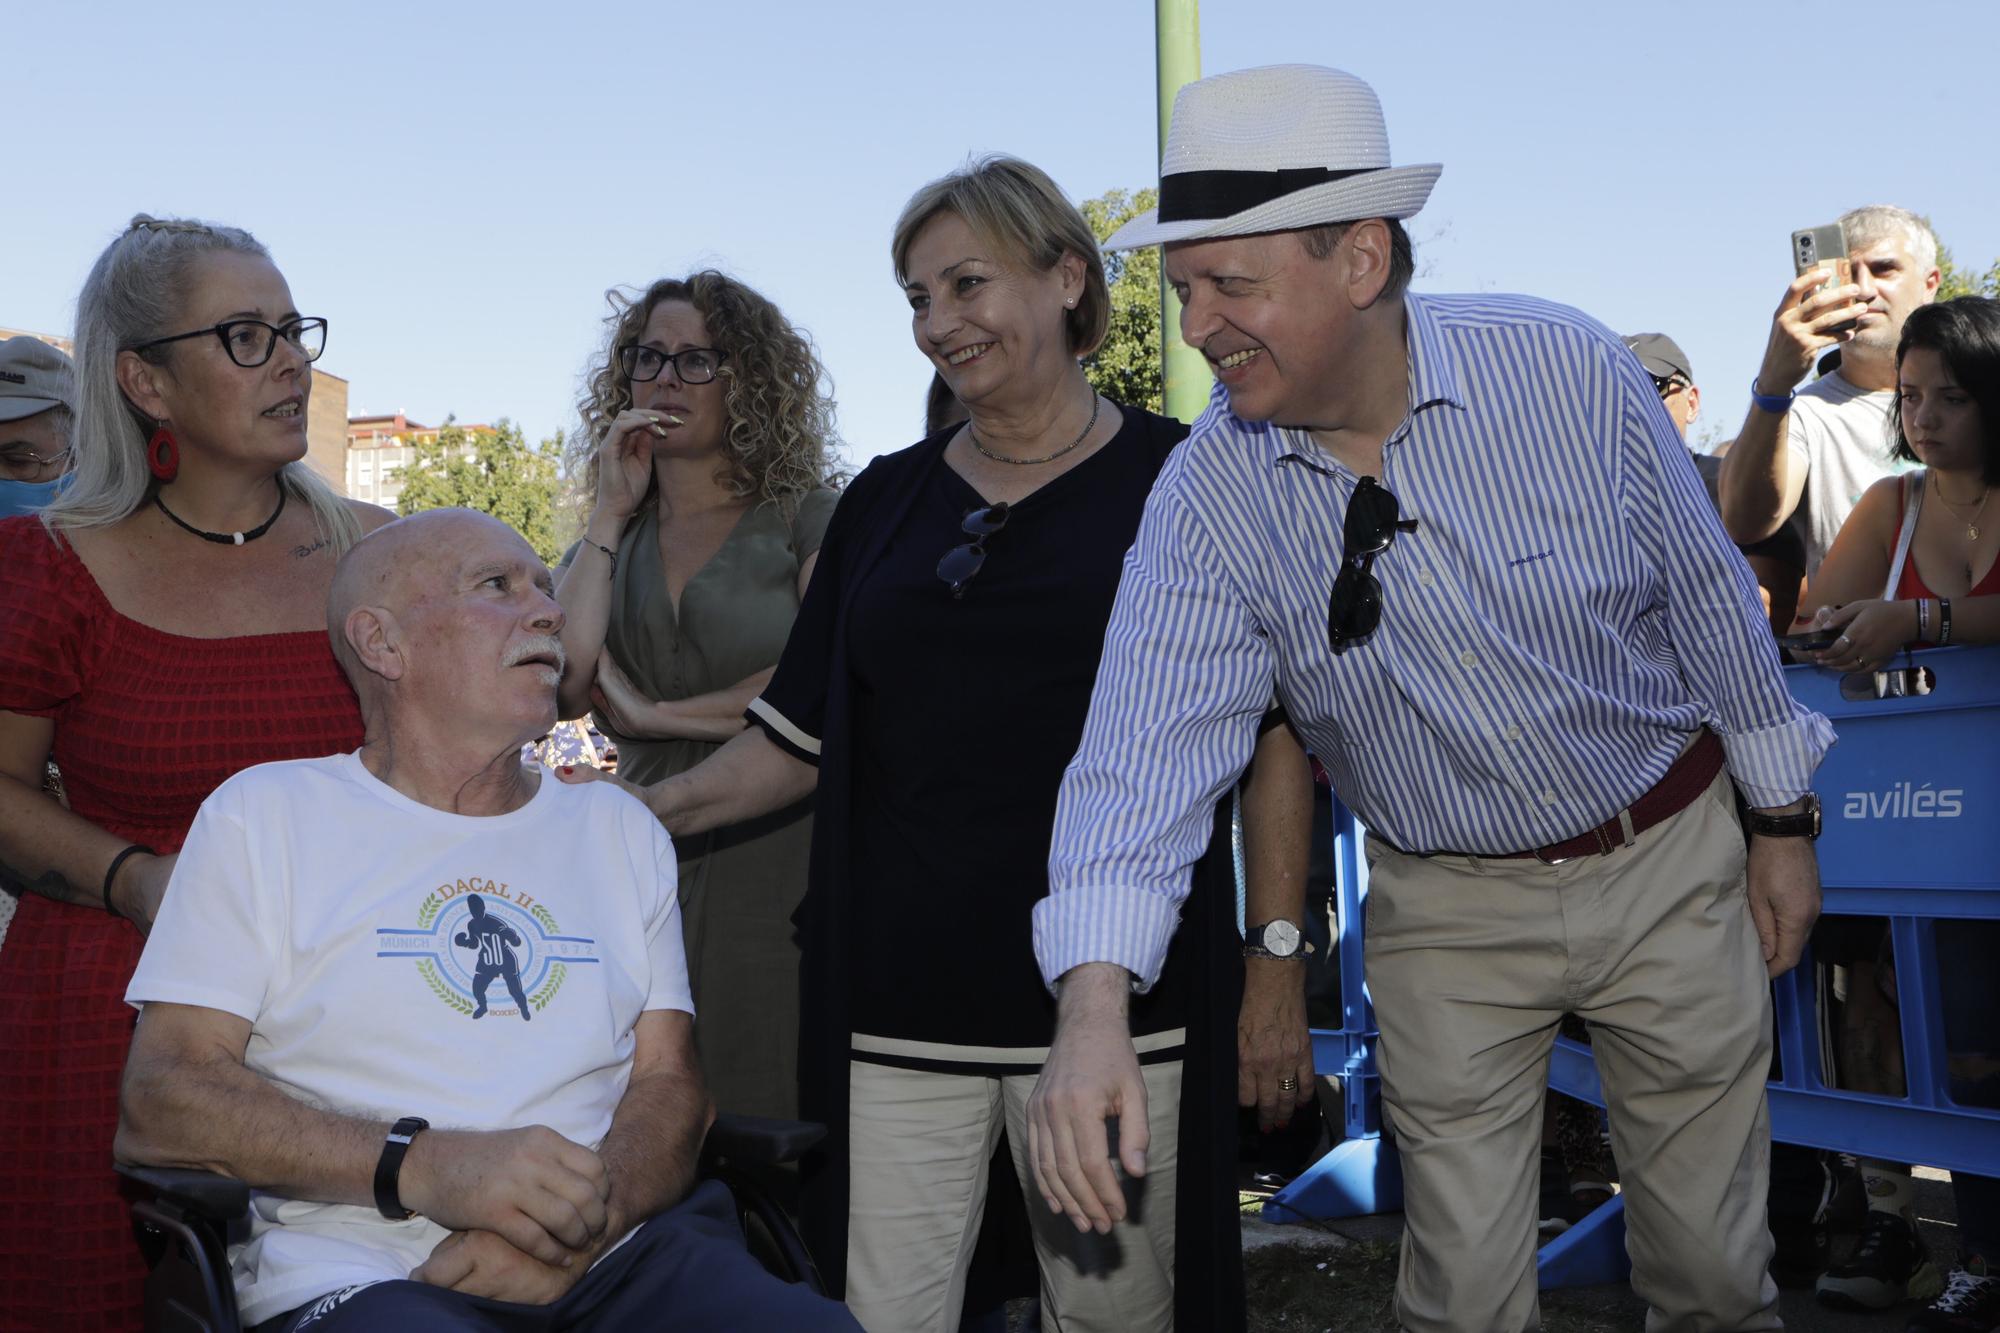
[
  {"x": 147, "y": 724},
  {"x": 1911, "y": 585}
]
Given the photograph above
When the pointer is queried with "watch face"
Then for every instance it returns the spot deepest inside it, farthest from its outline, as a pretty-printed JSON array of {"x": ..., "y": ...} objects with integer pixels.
[{"x": 1281, "y": 938}]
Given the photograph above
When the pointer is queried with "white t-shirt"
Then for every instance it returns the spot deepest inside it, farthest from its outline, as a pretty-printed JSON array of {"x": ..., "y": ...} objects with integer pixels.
[
  {"x": 339, "y": 917},
  {"x": 1841, "y": 435}
]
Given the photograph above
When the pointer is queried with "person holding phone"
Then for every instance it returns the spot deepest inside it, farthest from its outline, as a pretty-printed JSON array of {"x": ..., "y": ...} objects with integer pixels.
[
  {"x": 1918, "y": 565},
  {"x": 1814, "y": 450}
]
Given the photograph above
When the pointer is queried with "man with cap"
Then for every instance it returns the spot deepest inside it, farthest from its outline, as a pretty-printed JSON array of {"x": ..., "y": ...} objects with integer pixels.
[
  {"x": 1779, "y": 560},
  {"x": 37, "y": 386},
  {"x": 1466, "y": 548}
]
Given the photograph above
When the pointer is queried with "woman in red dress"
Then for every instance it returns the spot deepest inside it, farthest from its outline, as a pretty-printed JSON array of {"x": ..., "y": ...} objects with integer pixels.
[{"x": 162, "y": 626}]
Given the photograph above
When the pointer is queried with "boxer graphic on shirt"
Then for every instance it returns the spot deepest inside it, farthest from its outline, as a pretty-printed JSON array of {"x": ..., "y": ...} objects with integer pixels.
[{"x": 495, "y": 942}]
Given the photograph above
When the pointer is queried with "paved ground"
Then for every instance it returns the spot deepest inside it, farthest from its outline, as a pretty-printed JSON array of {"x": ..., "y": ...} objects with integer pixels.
[{"x": 1339, "y": 1276}]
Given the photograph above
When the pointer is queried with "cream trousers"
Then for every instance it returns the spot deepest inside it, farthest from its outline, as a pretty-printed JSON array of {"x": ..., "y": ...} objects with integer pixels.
[
  {"x": 918, "y": 1147},
  {"x": 1472, "y": 962}
]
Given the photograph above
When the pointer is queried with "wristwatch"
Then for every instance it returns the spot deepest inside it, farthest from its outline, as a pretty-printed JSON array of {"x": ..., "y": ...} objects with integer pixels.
[
  {"x": 387, "y": 1202},
  {"x": 1804, "y": 824},
  {"x": 1273, "y": 939}
]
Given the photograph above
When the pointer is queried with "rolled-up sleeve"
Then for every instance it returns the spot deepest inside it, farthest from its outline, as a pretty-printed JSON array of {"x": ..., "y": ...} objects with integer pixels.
[
  {"x": 1185, "y": 677},
  {"x": 1715, "y": 620}
]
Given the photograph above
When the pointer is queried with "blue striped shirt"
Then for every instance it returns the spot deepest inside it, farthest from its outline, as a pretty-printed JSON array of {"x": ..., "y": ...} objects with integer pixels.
[{"x": 1566, "y": 615}]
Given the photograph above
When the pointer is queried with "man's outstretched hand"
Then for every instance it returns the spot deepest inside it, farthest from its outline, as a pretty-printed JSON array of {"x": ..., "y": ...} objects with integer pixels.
[{"x": 1092, "y": 1075}]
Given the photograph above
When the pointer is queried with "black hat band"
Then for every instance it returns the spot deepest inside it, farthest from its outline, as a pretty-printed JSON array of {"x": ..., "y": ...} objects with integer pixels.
[{"x": 1188, "y": 196}]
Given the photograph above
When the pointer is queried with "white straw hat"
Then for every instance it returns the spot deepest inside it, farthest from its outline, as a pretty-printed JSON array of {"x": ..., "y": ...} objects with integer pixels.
[{"x": 1277, "y": 148}]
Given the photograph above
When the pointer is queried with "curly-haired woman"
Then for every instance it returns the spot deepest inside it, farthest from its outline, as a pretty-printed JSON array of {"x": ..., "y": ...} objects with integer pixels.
[{"x": 711, "y": 443}]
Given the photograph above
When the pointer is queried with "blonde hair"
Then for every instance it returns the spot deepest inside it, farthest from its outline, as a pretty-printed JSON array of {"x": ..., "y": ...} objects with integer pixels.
[
  {"x": 1014, "y": 207},
  {"x": 137, "y": 291},
  {"x": 779, "y": 444}
]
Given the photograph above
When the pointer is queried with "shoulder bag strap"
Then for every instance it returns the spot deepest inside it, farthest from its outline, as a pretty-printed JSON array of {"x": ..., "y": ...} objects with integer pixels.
[{"x": 1913, "y": 501}]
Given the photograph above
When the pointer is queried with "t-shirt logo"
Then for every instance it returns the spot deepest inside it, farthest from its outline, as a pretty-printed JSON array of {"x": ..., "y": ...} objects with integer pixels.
[{"x": 475, "y": 931}]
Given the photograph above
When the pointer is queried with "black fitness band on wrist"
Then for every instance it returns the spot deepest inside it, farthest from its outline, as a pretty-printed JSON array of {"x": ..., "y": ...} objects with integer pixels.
[
  {"x": 112, "y": 874},
  {"x": 390, "y": 1165},
  {"x": 1944, "y": 621}
]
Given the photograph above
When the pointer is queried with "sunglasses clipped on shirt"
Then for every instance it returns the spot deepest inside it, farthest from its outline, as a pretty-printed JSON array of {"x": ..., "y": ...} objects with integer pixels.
[
  {"x": 1373, "y": 520},
  {"x": 962, "y": 563}
]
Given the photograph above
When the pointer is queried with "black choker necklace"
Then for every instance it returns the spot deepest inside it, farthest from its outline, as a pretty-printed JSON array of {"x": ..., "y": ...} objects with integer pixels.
[{"x": 226, "y": 538}]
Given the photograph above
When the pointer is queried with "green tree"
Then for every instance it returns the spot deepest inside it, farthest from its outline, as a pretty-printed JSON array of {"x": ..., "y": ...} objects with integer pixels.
[
  {"x": 1126, "y": 367},
  {"x": 1955, "y": 281},
  {"x": 493, "y": 470}
]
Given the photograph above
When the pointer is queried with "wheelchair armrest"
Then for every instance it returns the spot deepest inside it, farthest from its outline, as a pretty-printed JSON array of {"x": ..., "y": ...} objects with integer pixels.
[
  {"x": 755, "y": 1140},
  {"x": 203, "y": 1194}
]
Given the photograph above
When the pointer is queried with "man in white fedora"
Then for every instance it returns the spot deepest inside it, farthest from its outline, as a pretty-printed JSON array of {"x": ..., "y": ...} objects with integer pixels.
[{"x": 1462, "y": 540}]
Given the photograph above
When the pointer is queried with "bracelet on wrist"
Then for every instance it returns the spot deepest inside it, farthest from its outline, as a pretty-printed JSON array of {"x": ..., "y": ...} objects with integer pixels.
[
  {"x": 1776, "y": 404},
  {"x": 609, "y": 554},
  {"x": 1944, "y": 621},
  {"x": 117, "y": 863},
  {"x": 1923, "y": 620}
]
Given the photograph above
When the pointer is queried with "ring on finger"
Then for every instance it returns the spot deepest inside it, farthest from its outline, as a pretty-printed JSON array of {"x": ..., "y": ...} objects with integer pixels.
[{"x": 1288, "y": 1085}]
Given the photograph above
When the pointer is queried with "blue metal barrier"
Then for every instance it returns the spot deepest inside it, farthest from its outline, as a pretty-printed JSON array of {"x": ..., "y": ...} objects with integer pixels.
[{"x": 1911, "y": 804}]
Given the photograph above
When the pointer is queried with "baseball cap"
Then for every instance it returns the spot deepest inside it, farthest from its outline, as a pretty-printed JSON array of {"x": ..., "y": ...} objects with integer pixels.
[
  {"x": 1660, "y": 355},
  {"x": 34, "y": 377}
]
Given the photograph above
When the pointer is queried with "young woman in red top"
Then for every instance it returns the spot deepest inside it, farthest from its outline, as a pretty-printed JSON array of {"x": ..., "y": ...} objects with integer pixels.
[
  {"x": 162, "y": 626},
  {"x": 1947, "y": 417}
]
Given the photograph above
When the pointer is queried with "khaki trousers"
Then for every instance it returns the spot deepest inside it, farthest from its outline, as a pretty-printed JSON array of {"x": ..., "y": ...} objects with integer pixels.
[
  {"x": 918, "y": 1147},
  {"x": 1472, "y": 962}
]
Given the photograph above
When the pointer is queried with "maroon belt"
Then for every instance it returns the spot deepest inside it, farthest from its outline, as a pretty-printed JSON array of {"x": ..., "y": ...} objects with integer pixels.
[{"x": 1689, "y": 777}]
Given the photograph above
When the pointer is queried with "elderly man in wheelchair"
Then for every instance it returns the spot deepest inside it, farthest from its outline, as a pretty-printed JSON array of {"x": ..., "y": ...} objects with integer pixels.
[{"x": 434, "y": 1011}]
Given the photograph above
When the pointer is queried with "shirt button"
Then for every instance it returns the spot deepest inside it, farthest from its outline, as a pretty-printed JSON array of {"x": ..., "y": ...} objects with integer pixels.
[
  {"x": 1548, "y": 798},
  {"x": 1513, "y": 733},
  {"x": 1468, "y": 658},
  {"x": 1424, "y": 577}
]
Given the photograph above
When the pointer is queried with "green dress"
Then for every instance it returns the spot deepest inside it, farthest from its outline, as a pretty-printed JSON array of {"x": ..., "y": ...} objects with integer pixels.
[{"x": 738, "y": 885}]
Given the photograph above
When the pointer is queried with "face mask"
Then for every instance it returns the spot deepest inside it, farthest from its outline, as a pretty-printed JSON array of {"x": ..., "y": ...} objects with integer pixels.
[{"x": 30, "y": 497}]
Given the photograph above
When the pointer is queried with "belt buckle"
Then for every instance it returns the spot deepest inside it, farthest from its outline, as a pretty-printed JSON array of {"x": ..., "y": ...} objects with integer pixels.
[{"x": 1541, "y": 854}]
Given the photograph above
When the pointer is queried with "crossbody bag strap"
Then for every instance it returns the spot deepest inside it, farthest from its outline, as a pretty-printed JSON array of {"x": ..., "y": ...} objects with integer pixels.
[{"x": 1913, "y": 501}]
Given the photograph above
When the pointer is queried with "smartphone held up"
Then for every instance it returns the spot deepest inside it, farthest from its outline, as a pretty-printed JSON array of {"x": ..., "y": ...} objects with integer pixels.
[{"x": 1824, "y": 248}]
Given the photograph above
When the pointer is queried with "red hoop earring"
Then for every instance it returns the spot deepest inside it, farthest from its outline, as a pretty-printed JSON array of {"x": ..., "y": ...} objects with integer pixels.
[{"x": 163, "y": 454}]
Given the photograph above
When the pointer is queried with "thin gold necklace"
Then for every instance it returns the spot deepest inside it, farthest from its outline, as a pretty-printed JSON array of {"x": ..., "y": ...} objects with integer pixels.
[
  {"x": 1095, "y": 403},
  {"x": 1971, "y": 524}
]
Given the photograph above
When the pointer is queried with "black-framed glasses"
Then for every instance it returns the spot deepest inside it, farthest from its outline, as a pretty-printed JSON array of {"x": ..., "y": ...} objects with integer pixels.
[
  {"x": 250, "y": 342},
  {"x": 1373, "y": 520},
  {"x": 961, "y": 563},
  {"x": 696, "y": 365},
  {"x": 1668, "y": 385}
]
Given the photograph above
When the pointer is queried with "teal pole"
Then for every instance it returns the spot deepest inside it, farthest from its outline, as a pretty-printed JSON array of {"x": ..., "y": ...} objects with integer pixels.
[{"x": 1184, "y": 375}]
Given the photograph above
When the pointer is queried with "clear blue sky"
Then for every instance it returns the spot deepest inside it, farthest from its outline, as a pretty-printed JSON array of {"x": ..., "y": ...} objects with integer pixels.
[{"x": 454, "y": 185}]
